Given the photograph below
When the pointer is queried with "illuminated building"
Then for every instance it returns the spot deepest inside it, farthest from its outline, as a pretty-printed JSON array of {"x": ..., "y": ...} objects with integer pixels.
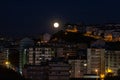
[
  {"x": 74, "y": 28},
  {"x": 95, "y": 60},
  {"x": 112, "y": 61},
  {"x": 107, "y": 32},
  {"x": 108, "y": 36},
  {"x": 70, "y": 53},
  {"x": 78, "y": 68},
  {"x": 24, "y": 45},
  {"x": 38, "y": 54}
]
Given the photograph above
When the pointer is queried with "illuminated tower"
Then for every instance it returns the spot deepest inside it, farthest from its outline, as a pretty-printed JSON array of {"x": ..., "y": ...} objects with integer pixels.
[{"x": 24, "y": 45}]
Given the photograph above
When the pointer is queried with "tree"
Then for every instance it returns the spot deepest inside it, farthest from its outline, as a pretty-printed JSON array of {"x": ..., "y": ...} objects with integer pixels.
[{"x": 9, "y": 74}]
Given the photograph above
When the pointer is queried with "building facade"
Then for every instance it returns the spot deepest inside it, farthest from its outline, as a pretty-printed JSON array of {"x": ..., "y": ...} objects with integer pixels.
[
  {"x": 112, "y": 61},
  {"x": 38, "y": 54},
  {"x": 95, "y": 61},
  {"x": 36, "y": 72},
  {"x": 59, "y": 70},
  {"x": 78, "y": 68}
]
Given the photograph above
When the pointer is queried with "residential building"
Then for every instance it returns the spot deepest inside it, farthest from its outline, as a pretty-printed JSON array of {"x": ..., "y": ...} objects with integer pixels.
[
  {"x": 59, "y": 70},
  {"x": 36, "y": 72},
  {"x": 95, "y": 61},
  {"x": 112, "y": 61},
  {"x": 78, "y": 68},
  {"x": 38, "y": 54}
]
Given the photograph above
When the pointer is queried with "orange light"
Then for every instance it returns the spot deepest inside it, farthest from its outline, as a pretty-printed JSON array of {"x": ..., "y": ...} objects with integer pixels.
[
  {"x": 108, "y": 70},
  {"x": 102, "y": 76},
  {"x": 7, "y": 62}
]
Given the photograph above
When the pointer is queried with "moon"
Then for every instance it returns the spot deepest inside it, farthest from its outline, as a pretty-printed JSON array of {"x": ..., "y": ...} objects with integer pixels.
[{"x": 56, "y": 25}]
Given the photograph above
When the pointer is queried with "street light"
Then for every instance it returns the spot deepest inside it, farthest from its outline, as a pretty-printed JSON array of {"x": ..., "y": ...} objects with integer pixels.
[
  {"x": 7, "y": 63},
  {"x": 109, "y": 70},
  {"x": 102, "y": 76}
]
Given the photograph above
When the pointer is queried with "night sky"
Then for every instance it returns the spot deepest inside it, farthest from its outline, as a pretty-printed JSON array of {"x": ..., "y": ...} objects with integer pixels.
[{"x": 21, "y": 17}]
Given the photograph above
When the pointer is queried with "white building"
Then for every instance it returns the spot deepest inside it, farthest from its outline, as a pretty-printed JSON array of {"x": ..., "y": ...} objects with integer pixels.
[
  {"x": 38, "y": 54},
  {"x": 112, "y": 61},
  {"x": 95, "y": 61},
  {"x": 78, "y": 68}
]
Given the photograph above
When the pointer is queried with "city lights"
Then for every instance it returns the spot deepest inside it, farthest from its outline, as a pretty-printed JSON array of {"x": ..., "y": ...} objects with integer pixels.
[
  {"x": 60, "y": 40},
  {"x": 65, "y": 53},
  {"x": 7, "y": 62},
  {"x": 109, "y": 70},
  {"x": 102, "y": 76}
]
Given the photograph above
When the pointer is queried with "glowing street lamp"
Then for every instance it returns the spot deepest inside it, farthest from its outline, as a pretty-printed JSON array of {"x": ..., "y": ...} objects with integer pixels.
[
  {"x": 102, "y": 76},
  {"x": 7, "y": 63},
  {"x": 109, "y": 70},
  {"x": 96, "y": 70}
]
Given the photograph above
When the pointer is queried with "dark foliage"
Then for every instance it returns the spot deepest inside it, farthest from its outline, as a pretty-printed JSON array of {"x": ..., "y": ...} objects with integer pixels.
[
  {"x": 9, "y": 74},
  {"x": 14, "y": 57},
  {"x": 71, "y": 37}
]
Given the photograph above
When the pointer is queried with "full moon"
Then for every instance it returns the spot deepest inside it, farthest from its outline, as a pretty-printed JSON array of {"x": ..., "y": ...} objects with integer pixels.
[{"x": 56, "y": 25}]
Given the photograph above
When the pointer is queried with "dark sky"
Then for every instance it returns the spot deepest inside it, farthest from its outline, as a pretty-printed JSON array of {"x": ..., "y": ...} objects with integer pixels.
[{"x": 35, "y": 16}]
